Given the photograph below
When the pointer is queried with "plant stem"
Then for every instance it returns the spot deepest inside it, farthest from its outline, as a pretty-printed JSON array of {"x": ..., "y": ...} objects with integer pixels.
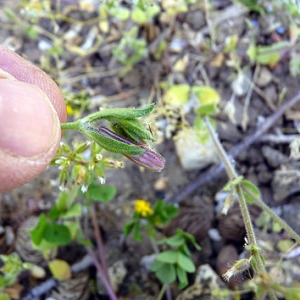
[
  {"x": 162, "y": 291},
  {"x": 70, "y": 126},
  {"x": 242, "y": 202},
  {"x": 166, "y": 287},
  {"x": 109, "y": 289},
  {"x": 243, "y": 205},
  {"x": 99, "y": 242},
  {"x": 276, "y": 218}
]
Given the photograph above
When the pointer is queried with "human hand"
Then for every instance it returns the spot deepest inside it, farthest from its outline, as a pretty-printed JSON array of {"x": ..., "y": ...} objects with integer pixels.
[{"x": 31, "y": 109}]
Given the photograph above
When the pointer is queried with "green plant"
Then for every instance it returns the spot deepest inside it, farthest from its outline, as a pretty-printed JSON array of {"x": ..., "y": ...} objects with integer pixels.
[
  {"x": 174, "y": 264},
  {"x": 148, "y": 218},
  {"x": 12, "y": 268},
  {"x": 171, "y": 264},
  {"x": 130, "y": 50}
]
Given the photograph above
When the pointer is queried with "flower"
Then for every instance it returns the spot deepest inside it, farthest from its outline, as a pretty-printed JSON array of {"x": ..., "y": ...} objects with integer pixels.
[
  {"x": 143, "y": 208},
  {"x": 148, "y": 159}
]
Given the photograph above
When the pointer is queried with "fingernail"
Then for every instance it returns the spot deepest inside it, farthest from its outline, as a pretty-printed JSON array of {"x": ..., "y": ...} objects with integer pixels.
[{"x": 28, "y": 122}]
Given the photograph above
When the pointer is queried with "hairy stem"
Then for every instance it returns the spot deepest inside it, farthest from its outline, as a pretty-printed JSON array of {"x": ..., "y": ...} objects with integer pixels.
[
  {"x": 70, "y": 126},
  {"x": 242, "y": 202},
  {"x": 276, "y": 218}
]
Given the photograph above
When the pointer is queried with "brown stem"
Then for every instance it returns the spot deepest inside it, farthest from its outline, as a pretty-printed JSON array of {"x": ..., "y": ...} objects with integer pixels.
[{"x": 100, "y": 246}]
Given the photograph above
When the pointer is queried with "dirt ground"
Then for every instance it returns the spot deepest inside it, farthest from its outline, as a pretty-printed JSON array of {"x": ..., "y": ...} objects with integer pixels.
[{"x": 251, "y": 92}]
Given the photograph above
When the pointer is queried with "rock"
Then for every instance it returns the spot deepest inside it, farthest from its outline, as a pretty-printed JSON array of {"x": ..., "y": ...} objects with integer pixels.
[
  {"x": 264, "y": 77},
  {"x": 116, "y": 273},
  {"x": 193, "y": 154},
  {"x": 206, "y": 281},
  {"x": 24, "y": 245},
  {"x": 241, "y": 83}
]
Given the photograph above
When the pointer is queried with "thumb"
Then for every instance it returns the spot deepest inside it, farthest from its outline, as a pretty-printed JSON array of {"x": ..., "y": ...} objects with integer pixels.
[{"x": 29, "y": 132}]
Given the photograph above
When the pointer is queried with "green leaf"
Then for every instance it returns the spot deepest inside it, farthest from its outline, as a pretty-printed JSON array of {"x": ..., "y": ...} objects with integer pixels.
[
  {"x": 292, "y": 293},
  {"x": 4, "y": 296},
  {"x": 188, "y": 237},
  {"x": 31, "y": 31},
  {"x": 169, "y": 256},
  {"x": 206, "y": 95},
  {"x": 182, "y": 278},
  {"x": 60, "y": 269},
  {"x": 2, "y": 283},
  {"x": 81, "y": 148},
  {"x": 166, "y": 273},
  {"x": 57, "y": 234},
  {"x": 63, "y": 201},
  {"x": 74, "y": 211},
  {"x": 136, "y": 232},
  {"x": 121, "y": 13},
  {"x": 121, "y": 113},
  {"x": 268, "y": 58},
  {"x": 175, "y": 240},
  {"x": 207, "y": 109},
  {"x": 101, "y": 193},
  {"x": 185, "y": 263},
  {"x": 253, "y": 6},
  {"x": 253, "y": 189},
  {"x": 128, "y": 227},
  {"x": 251, "y": 52},
  {"x": 54, "y": 213},
  {"x": 156, "y": 265},
  {"x": 139, "y": 16},
  {"x": 110, "y": 144},
  {"x": 63, "y": 177},
  {"x": 164, "y": 212},
  {"x": 133, "y": 129},
  {"x": 177, "y": 94},
  {"x": 208, "y": 98},
  {"x": 37, "y": 233}
]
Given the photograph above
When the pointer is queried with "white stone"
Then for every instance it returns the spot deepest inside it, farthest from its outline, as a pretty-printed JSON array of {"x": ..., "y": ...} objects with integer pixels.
[{"x": 192, "y": 153}]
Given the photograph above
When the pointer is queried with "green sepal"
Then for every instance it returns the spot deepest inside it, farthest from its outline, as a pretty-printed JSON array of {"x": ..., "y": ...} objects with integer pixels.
[
  {"x": 120, "y": 113},
  {"x": 134, "y": 129},
  {"x": 110, "y": 144}
]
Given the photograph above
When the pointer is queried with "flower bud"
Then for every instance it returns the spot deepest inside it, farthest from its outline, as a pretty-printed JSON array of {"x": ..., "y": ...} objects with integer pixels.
[{"x": 148, "y": 159}]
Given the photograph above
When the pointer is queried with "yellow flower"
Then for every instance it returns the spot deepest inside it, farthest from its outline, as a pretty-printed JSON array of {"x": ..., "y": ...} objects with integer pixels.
[
  {"x": 70, "y": 110},
  {"x": 143, "y": 208}
]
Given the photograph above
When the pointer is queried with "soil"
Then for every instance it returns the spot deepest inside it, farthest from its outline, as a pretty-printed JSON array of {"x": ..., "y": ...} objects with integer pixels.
[{"x": 250, "y": 94}]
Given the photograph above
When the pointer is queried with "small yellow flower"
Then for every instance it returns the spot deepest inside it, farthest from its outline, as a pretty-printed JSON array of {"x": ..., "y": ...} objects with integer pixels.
[
  {"x": 143, "y": 208},
  {"x": 70, "y": 110}
]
